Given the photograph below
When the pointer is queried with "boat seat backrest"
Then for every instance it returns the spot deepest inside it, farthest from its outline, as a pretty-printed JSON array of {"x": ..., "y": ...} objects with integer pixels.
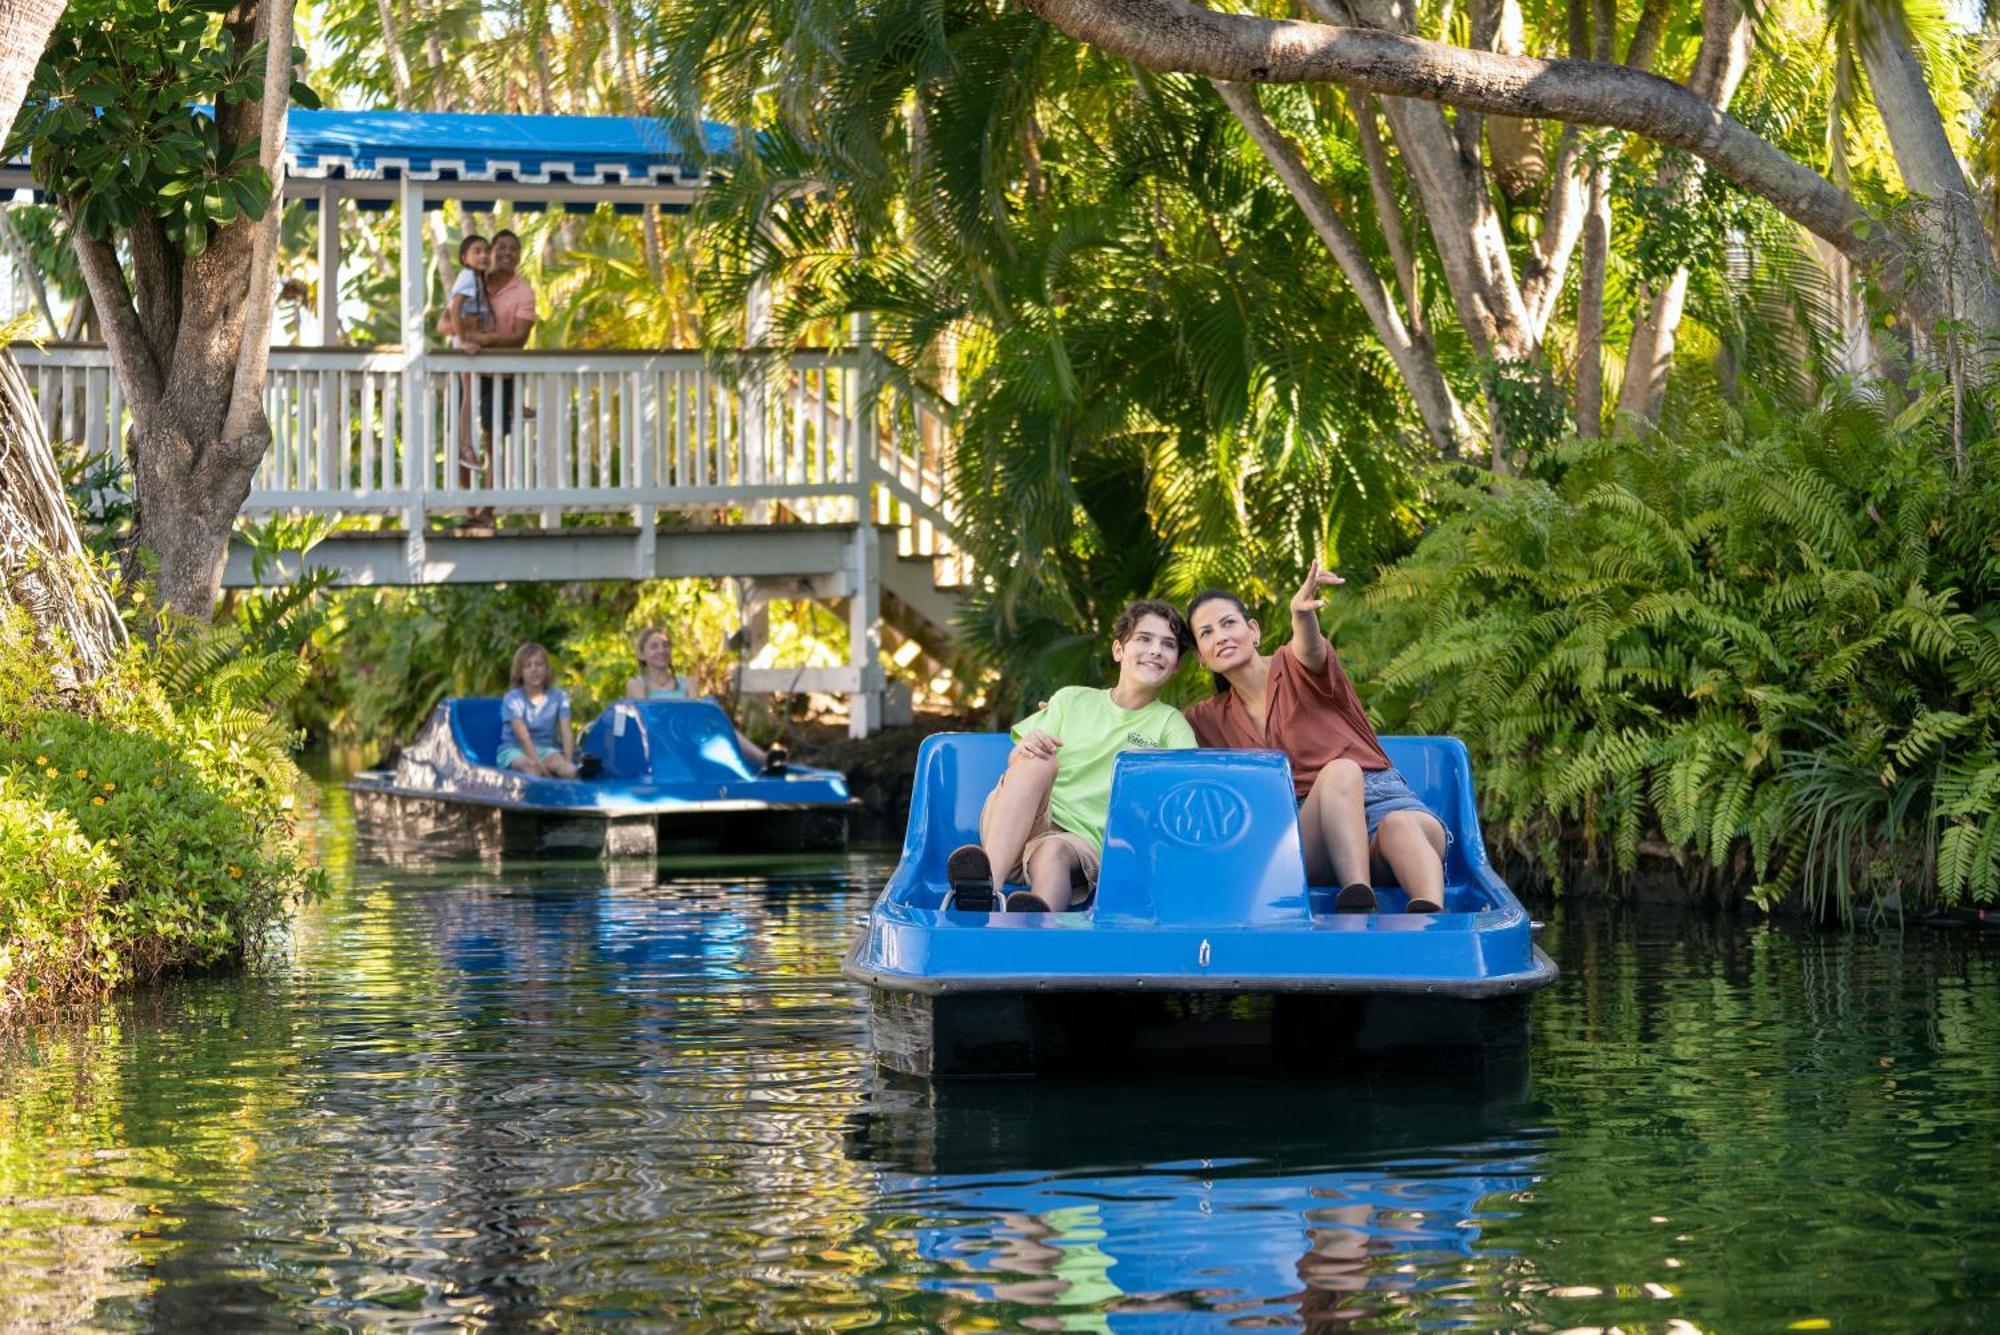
[
  {"x": 955, "y": 772},
  {"x": 1440, "y": 772},
  {"x": 1202, "y": 838},
  {"x": 667, "y": 741},
  {"x": 475, "y": 726}
]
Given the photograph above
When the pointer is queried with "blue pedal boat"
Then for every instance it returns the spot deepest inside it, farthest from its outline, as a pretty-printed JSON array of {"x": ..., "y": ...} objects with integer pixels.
[
  {"x": 1203, "y": 934},
  {"x": 667, "y": 772}
]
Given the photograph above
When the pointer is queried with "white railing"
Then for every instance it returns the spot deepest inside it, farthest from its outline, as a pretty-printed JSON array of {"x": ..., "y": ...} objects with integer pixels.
[{"x": 558, "y": 433}]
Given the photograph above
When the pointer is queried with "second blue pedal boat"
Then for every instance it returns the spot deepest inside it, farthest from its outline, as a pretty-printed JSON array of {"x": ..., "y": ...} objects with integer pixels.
[
  {"x": 666, "y": 771},
  {"x": 1203, "y": 932}
]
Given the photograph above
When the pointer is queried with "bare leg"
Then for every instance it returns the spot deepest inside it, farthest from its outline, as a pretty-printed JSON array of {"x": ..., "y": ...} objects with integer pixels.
[
  {"x": 1012, "y": 815},
  {"x": 559, "y": 767},
  {"x": 1049, "y": 873},
  {"x": 1333, "y": 828},
  {"x": 527, "y": 764},
  {"x": 1411, "y": 844}
]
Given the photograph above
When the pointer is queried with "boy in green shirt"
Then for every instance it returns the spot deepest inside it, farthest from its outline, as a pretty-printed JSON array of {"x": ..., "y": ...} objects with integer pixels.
[{"x": 1044, "y": 822}]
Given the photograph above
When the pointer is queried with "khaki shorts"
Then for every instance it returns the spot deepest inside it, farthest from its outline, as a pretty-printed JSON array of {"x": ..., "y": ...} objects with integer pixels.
[{"x": 1043, "y": 831}]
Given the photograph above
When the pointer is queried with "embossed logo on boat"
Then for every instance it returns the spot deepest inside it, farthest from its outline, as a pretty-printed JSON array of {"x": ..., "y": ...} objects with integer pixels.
[
  {"x": 692, "y": 727},
  {"x": 1202, "y": 814}
]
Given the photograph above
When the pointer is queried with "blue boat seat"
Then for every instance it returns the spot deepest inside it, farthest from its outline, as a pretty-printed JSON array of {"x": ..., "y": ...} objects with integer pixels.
[
  {"x": 475, "y": 726},
  {"x": 1202, "y": 838},
  {"x": 955, "y": 772},
  {"x": 668, "y": 742}
]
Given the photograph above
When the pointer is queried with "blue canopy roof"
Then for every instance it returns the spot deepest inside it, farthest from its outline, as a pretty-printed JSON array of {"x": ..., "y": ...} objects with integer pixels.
[{"x": 450, "y": 146}]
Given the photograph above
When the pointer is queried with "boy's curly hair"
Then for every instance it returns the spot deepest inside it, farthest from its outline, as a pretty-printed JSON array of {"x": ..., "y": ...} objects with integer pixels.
[{"x": 1128, "y": 621}]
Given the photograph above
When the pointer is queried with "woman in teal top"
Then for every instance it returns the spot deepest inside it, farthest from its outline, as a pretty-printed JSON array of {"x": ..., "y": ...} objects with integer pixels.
[{"x": 657, "y": 680}]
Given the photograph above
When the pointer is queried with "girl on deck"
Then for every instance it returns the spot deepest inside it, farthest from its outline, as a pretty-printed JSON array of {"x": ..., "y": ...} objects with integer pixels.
[
  {"x": 1354, "y": 808},
  {"x": 535, "y": 735}
]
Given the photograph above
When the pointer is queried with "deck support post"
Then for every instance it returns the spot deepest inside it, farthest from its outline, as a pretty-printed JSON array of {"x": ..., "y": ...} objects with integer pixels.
[
  {"x": 416, "y": 450},
  {"x": 864, "y": 631},
  {"x": 329, "y": 267},
  {"x": 644, "y": 443}
]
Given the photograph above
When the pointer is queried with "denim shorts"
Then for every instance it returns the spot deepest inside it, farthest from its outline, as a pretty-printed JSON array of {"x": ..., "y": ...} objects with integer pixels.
[{"x": 1386, "y": 790}]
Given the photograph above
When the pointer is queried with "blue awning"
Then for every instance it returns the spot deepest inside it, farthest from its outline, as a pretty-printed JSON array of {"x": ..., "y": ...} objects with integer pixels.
[
  {"x": 533, "y": 150},
  {"x": 575, "y": 162}
]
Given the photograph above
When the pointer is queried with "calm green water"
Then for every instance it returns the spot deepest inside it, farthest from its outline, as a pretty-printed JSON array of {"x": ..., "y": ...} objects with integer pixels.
[{"x": 538, "y": 1101}]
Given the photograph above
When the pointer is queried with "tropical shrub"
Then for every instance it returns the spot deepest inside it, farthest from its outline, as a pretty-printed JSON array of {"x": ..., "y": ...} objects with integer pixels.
[
  {"x": 1769, "y": 649},
  {"x": 55, "y": 939},
  {"x": 139, "y": 837}
]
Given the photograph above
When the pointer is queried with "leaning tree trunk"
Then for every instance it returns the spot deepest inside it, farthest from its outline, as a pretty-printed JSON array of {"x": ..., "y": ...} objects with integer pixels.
[
  {"x": 43, "y": 566},
  {"x": 1719, "y": 67},
  {"x": 190, "y": 338},
  {"x": 1948, "y": 222}
]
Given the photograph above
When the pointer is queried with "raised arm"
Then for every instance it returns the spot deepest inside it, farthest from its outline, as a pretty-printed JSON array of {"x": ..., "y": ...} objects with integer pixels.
[{"x": 1308, "y": 640}]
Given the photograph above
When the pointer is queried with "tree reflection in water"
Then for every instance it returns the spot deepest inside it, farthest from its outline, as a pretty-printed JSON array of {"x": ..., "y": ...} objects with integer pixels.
[{"x": 555, "y": 1097}]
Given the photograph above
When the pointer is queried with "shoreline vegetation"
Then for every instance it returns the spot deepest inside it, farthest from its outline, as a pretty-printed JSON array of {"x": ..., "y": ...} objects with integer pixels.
[{"x": 151, "y": 820}]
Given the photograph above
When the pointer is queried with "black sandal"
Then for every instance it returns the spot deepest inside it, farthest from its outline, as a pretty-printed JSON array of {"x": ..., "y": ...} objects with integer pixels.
[
  {"x": 971, "y": 878},
  {"x": 1356, "y": 898}
]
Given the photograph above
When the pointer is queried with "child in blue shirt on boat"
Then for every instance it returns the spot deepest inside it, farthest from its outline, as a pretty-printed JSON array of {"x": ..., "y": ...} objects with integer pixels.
[
  {"x": 657, "y": 680},
  {"x": 1044, "y": 822},
  {"x": 535, "y": 735}
]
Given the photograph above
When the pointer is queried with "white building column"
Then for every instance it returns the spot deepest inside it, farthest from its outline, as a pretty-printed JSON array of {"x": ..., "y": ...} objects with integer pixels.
[
  {"x": 864, "y": 631},
  {"x": 416, "y": 444},
  {"x": 329, "y": 267}
]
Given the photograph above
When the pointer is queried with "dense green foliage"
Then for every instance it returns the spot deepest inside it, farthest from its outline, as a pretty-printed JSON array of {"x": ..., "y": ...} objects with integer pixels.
[
  {"x": 389, "y": 656},
  {"x": 137, "y": 836},
  {"x": 120, "y": 119},
  {"x": 1769, "y": 649}
]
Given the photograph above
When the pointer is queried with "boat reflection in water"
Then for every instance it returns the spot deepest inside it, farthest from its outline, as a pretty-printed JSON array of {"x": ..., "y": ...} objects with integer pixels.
[{"x": 1176, "y": 1206}]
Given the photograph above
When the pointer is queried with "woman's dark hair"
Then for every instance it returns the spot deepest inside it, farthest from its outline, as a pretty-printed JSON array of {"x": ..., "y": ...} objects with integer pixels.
[
  {"x": 467, "y": 243},
  {"x": 1128, "y": 621},
  {"x": 1210, "y": 596}
]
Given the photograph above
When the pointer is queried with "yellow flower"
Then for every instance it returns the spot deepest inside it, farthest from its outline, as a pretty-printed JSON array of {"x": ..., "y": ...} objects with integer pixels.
[
  {"x": 83, "y": 774},
  {"x": 97, "y": 801},
  {"x": 41, "y": 760},
  {"x": 158, "y": 781},
  {"x": 138, "y": 596},
  {"x": 54, "y": 773},
  {"x": 235, "y": 872},
  {"x": 110, "y": 787}
]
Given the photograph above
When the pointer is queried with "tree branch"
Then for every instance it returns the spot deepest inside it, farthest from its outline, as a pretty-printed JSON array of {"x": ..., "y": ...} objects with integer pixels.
[
  {"x": 246, "y": 422},
  {"x": 1388, "y": 208},
  {"x": 1442, "y": 418},
  {"x": 1174, "y": 35},
  {"x": 137, "y": 361}
]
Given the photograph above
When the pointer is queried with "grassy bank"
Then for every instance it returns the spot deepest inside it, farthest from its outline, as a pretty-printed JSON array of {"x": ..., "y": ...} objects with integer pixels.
[{"x": 139, "y": 835}]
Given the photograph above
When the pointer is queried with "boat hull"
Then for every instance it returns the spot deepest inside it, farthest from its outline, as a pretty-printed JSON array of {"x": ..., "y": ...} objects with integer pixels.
[
  {"x": 395, "y": 825},
  {"x": 1037, "y": 1032}
]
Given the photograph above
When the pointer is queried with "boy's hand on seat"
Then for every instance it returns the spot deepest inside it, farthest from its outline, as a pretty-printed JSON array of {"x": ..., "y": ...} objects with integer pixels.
[{"x": 1038, "y": 745}]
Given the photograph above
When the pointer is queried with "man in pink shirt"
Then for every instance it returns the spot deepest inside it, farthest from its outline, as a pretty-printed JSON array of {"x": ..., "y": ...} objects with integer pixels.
[{"x": 513, "y": 303}]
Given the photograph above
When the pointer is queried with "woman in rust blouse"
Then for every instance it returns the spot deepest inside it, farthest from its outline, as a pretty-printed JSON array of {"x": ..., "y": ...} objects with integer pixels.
[{"x": 1354, "y": 808}]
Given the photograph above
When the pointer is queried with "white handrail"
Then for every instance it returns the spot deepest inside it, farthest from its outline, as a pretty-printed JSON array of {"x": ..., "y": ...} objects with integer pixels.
[{"x": 558, "y": 432}]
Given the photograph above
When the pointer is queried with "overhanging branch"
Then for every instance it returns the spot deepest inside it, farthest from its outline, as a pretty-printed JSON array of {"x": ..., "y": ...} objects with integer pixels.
[{"x": 1173, "y": 35}]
